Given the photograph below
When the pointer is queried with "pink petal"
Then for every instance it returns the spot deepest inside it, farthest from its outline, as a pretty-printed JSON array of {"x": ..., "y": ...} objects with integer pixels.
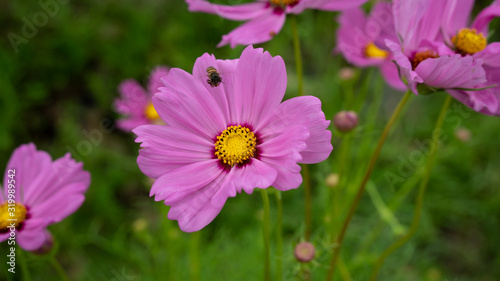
[
  {"x": 155, "y": 81},
  {"x": 133, "y": 98},
  {"x": 256, "y": 174},
  {"x": 32, "y": 235},
  {"x": 304, "y": 111},
  {"x": 258, "y": 30},
  {"x": 185, "y": 103},
  {"x": 166, "y": 148},
  {"x": 405, "y": 68},
  {"x": 238, "y": 12},
  {"x": 485, "y": 16},
  {"x": 58, "y": 206},
  {"x": 390, "y": 73},
  {"x": 490, "y": 55},
  {"x": 260, "y": 84},
  {"x": 452, "y": 72},
  {"x": 222, "y": 93},
  {"x": 130, "y": 123},
  {"x": 456, "y": 16},
  {"x": 484, "y": 101},
  {"x": 283, "y": 152},
  {"x": 175, "y": 185},
  {"x": 326, "y": 5}
]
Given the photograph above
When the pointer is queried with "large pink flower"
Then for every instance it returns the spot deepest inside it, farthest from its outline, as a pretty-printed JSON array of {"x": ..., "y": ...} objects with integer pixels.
[
  {"x": 135, "y": 102},
  {"x": 424, "y": 60},
  {"x": 471, "y": 40},
  {"x": 265, "y": 17},
  {"x": 37, "y": 192},
  {"x": 361, "y": 39},
  {"x": 222, "y": 140}
]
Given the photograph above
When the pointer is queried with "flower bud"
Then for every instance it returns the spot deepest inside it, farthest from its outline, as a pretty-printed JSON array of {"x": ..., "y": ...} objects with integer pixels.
[
  {"x": 304, "y": 252},
  {"x": 345, "y": 121},
  {"x": 463, "y": 134},
  {"x": 332, "y": 180},
  {"x": 346, "y": 73}
]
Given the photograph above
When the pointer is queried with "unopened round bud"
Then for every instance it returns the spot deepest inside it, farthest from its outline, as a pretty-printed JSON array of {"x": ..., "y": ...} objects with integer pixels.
[
  {"x": 463, "y": 134},
  {"x": 346, "y": 73},
  {"x": 332, "y": 180},
  {"x": 345, "y": 121},
  {"x": 47, "y": 245},
  {"x": 304, "y": 252}
]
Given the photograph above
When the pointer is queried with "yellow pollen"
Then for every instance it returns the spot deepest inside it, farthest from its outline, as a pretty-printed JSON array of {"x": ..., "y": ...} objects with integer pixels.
[
  {"x": 421, "y": 56},
  {"x": 235, "y": 145},
  {"x": 372, "y": 51},
  {"x": 150, "y": 112},
  {"x": 469, "y": 41},
  {"x": 284, "y": 2},
  {"x": 11, "y": 214}
]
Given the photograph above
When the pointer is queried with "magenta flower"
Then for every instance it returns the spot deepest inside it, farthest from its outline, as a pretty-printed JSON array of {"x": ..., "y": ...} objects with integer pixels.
[
  {"x": 265, "y": 18},
  {"x": 470, "y": 40},
  {"x": 135, "y": 102},
  {"x": 38, "y": 192},
  {"x": 425, "y": 62},
  {"x": 361, "y": 39},
  {"x": 222, "y": 140}
]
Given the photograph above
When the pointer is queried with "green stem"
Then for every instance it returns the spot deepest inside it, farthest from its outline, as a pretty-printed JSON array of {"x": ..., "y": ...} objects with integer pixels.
[
  {"x": 265, "y": 232},
  {"x": 279, "y": 236},
  {"x": 24, "y": 265},
  {"x": 421, "y": 192},
  {"x": 371, "y": 165},
  {"x": 57, "y": 266},
  {"x": 195, "y": 256},
  {"x": 298, "y": 57}
]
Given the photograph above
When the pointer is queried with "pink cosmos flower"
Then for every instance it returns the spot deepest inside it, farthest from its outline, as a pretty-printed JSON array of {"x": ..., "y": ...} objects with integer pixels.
[
  {"x": 425, "y": 62},
  {"x": 265, "y": 17},
  {"x": 135, "y": 102},
  {"x": 222, "y": 140},
  {"x": 38, "y": 192},
  {"x": 361, "y": 39},
  {"x": 470, "y": 40}
]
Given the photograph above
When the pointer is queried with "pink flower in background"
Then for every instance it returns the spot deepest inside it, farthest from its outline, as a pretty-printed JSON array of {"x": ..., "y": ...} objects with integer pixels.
[
  {"x": 471, "y": 40},
  {"x": 424, "y": 60},
  {"x": 38, "y": 192},
  {"x": 264, "y": 18},
  {"x": 222, "y": 140},
  {"x": 361, "y": 39},
  {"x": 135, "y": 102}
]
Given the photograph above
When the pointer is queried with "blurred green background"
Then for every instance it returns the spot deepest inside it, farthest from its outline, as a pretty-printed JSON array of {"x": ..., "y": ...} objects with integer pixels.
[{"x": 61, "y": 83}]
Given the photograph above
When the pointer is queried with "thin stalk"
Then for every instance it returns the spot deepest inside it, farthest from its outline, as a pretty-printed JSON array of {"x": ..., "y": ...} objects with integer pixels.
[
  {"x": 421, "y": 192},
  {"x": 57, "y": 266},
  {"x": 298, "y": 57},
  {"x": 371, "y": 165},
  {"x": 265, "y": 232},
  {"x": 24, "y": 265},
  {"x": 194, "y": 252},
  {"x": 300, "y": 92},
  {"x": 279, "y": 236}
]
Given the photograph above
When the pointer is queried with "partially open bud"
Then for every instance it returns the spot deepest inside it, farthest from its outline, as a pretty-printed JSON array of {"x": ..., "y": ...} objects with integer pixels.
[
  {"x": 47, "y": 245},
  {"x": 345, "y": 121},
  {"x": 332, "y": 180},
  {"x": 304, "y": 252},
  {"x": 463, "y": 134}
]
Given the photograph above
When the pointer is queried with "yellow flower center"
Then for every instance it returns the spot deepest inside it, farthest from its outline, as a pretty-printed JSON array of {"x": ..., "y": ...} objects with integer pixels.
[
  {"x": 284, "y": 2},
  {"x": 150, "y": 112},
  {"x": 235, "y": 145},
  {"x": 372, "y": 51},
  {"x": 11, "y": 215},
  {"x": 421, "y": 56},
  {"x": 469, "y": 41}
]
